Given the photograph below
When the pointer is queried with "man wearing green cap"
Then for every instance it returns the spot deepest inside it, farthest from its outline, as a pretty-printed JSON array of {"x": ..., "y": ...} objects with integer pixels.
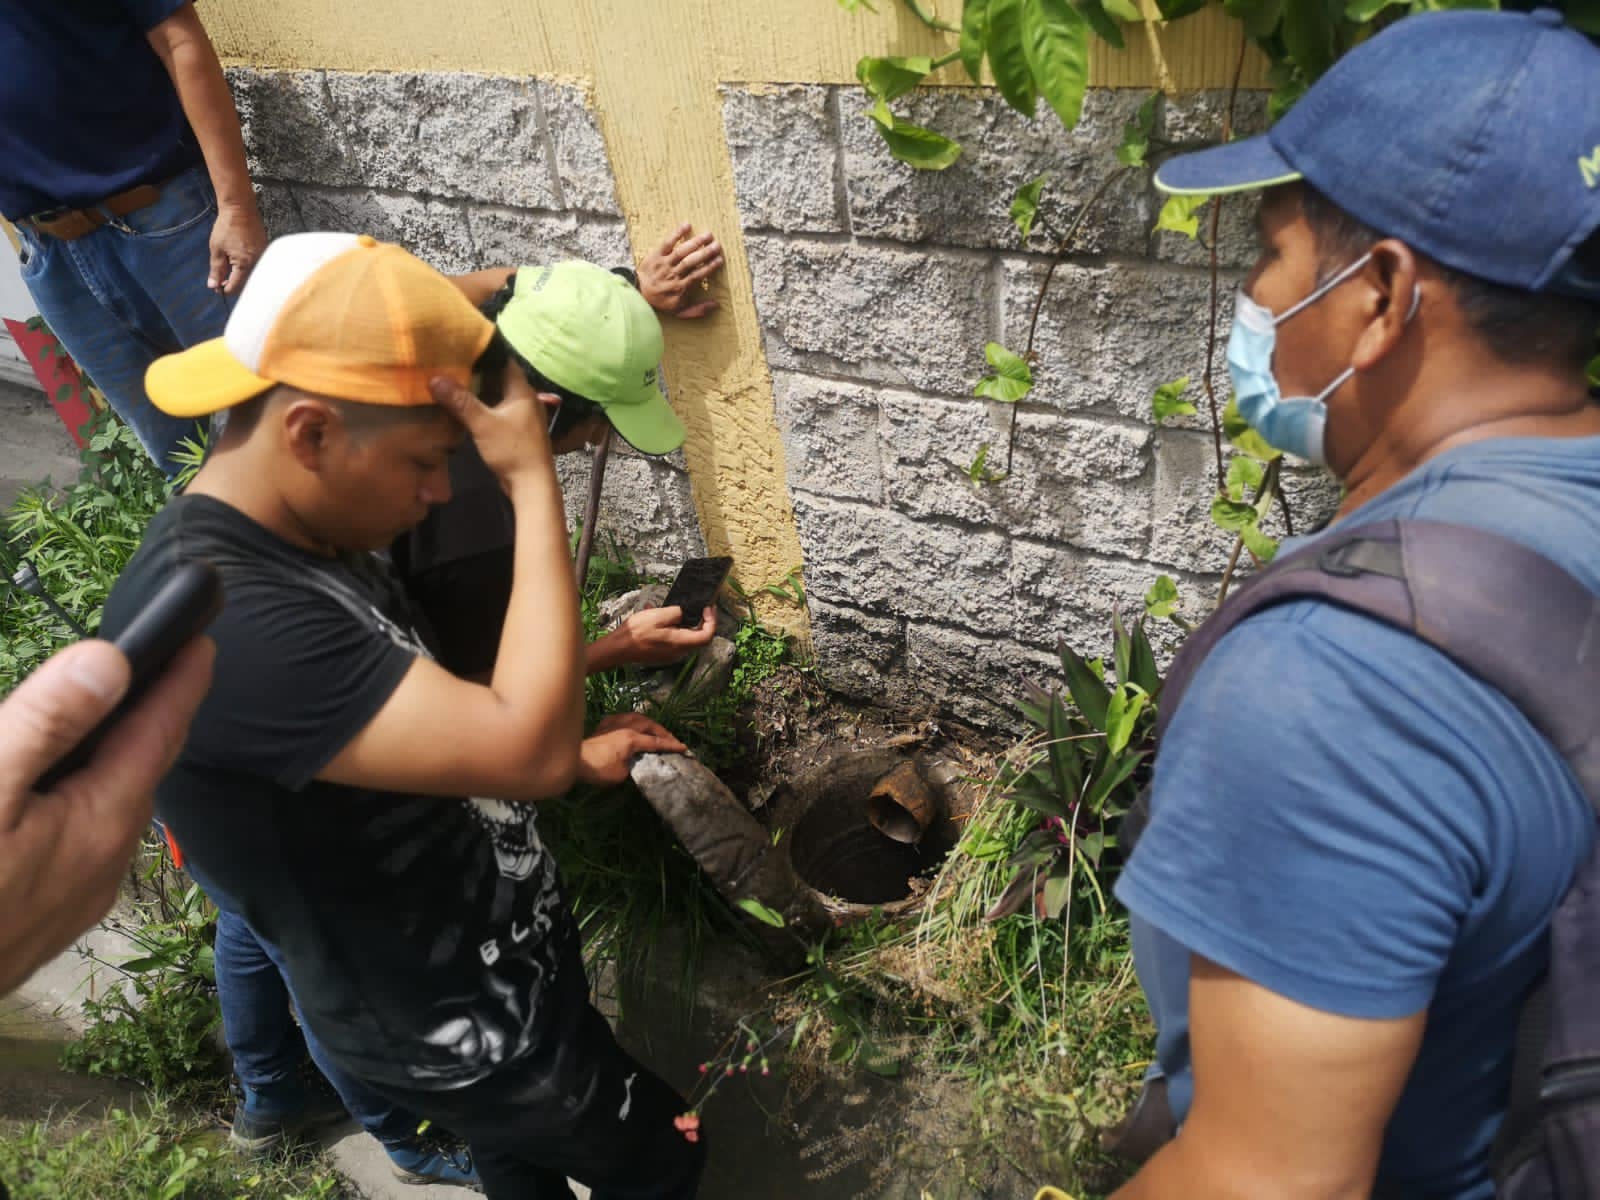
[{"x": 590, "y": 341}]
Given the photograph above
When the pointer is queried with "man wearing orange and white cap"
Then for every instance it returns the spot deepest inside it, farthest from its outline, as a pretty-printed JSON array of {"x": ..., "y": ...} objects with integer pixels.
[{"x": 336, "y": 783}]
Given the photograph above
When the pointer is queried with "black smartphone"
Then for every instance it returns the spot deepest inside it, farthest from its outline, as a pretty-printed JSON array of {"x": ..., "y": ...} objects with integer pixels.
[
  {"x": 696, "y": 587},
  {"x": 178, "y": 613}
]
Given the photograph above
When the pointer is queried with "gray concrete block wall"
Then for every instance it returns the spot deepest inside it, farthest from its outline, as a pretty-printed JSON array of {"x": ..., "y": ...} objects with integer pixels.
[
  {"x": 877, "y": 287},
  {"x": 467, "y": 171}
]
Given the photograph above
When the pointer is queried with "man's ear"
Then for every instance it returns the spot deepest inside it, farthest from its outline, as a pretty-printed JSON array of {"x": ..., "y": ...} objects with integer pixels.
[
  {"x": 1392, "y": 276},
  {"x": 308, "y": 429}
]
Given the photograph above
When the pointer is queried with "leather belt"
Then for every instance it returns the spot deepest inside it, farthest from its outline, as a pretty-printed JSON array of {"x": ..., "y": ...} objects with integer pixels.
[{"x": 70, "y": 224}]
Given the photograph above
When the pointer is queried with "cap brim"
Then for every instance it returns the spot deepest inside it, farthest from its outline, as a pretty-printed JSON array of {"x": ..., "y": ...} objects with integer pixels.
[
  {"x": 1240, "y": 166},
  {"x": 201, "y": 380},
  {"x": 647, "y": 423}
]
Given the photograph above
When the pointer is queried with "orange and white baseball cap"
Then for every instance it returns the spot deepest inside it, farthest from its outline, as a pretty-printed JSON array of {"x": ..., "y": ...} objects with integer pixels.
[{"x": 334, "y": 314}]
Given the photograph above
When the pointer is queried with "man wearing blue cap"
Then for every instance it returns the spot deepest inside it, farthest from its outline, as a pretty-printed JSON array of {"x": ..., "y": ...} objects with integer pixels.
[{"x": 1355, "y": 847}]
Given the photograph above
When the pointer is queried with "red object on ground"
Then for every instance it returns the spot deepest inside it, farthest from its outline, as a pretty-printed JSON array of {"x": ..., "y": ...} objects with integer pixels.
[{"x": 63, "y": 383}]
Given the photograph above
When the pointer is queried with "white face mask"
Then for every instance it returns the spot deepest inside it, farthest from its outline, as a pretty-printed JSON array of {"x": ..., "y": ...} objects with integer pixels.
[{"x": 1296, "y": 424}]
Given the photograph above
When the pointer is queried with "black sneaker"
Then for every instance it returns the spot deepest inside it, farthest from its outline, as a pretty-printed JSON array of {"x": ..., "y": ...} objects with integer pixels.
[{"x": 255, "y": 1134}]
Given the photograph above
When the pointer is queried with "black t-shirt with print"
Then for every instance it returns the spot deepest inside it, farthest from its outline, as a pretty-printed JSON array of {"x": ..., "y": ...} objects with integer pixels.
[{"x": 420, "y": 933}]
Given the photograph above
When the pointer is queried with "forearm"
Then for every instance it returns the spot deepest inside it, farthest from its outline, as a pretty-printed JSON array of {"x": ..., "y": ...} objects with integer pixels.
[
  {"x": 478, "y": 286},
  {"x": 606, "y": 653},
  {"x": 540, "y": 667},
  {"x": 1183, "y": 1168},
  {"x": 191, "y": 62}
]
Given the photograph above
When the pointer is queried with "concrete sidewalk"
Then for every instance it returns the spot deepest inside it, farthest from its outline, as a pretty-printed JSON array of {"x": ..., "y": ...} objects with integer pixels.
[{"x": 34, "y": 445}]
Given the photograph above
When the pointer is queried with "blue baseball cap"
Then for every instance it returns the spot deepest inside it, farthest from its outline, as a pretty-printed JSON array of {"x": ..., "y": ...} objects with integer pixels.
[{"x": 1472, "y": 136}]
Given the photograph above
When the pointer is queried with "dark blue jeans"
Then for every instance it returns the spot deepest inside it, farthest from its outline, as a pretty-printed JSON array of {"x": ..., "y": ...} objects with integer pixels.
[
  {"x": 129, "y": 292},
  {"x": 267, "y": 1044}
]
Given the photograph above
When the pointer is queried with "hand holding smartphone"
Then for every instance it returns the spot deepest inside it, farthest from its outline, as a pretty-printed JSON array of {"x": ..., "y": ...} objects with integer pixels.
[{"x": 696, "y": 587}]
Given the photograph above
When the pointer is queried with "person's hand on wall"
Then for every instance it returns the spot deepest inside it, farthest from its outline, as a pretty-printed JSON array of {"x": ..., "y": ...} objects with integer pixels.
[
  {"x": 63, "y": 853},
  {"x": 237, "y": 240},
  {"x": 675, "y": 276},
  {"x": 651, "y": 638},
  {"x": 609, "y": 752}
]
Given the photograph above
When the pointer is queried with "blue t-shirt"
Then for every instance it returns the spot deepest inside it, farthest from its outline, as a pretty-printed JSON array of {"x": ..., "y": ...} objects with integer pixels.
[
  {"x": 1347, "y": 818},
  {"x": 86, "y": 108}
]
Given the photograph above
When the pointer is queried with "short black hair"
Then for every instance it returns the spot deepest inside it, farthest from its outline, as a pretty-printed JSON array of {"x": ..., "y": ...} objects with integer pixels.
[
  {"x": 500, "y": 353},
  {"x": 1518, "y": 327}
]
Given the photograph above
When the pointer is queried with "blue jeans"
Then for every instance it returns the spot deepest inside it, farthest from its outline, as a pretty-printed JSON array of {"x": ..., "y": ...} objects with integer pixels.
[
  {"x": 129, "y": 292},
  {"x": 267, "y": 1046}
]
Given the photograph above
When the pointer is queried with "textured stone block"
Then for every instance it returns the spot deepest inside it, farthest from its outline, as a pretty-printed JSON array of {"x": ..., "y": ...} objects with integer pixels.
[
  {"x": 830, "y": 436},
  {"x": 1314, "y": 496},
  {"x": 582, "y": 164},
  {"x": 1060, "y": 591},
  {"x": 976, "y": 679},
  {"x": 1110, "y": 335},
  {"x": 889, "y": 564},
  {"x": 279, "y": 211},
  {"x": 508, "y": 237},
  {"x": 447, "y": 134},
  {"x": 858, "y": 654},
  {"x": 1237, "y": 245},
  {"x": 1195, "y": 119},
  {"x": 968, "y": 204},
  {"x": 434, "y": 230},
  {"x": 1075, "y": 480},
  {"x": 291, "y": 131},
  {"x": 645, "y": 504},
  {"x": 1183, "y": 534},
  {"x": 895, "y": 316},
  {"x": 785, "y": 157}
]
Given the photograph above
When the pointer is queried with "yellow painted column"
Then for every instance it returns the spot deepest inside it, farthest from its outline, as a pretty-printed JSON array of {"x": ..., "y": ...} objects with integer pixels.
[{"x": 661, "y": 113}]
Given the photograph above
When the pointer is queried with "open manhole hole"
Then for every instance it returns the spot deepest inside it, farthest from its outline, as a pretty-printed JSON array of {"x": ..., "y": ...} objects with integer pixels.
[{"x": 837, "y": 851}]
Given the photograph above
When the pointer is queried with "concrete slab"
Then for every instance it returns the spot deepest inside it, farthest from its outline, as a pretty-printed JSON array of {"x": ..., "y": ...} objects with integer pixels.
[
  {"x": 362, "y": 1161},
  {"x": 34, "y": 445}
]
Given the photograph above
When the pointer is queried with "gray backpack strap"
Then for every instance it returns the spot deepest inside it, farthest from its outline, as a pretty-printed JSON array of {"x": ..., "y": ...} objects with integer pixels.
[
  {"x": 1529, "y": 629},
  {"x": 1505, "y": 613}
]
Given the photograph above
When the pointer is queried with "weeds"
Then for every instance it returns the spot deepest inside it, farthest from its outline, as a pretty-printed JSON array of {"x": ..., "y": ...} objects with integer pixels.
[
  {"x": 163, "y": 1153},
  {"x": 162, "y": 1034}
]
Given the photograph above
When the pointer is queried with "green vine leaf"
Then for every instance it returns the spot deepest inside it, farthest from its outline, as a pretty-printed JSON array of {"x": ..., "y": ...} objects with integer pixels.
[
  {"x": 1244, "y": 475},
  {"x": 762, "y": 913},
  {"x": 851, "y": 6},
  {"x": 1261, "y": 17},
  {"x": 1242, "y": 436},
  {"x": 1007, "y": 58},
  {"x": 1161, "y": 601},
  {"x": 891, "y": 78},
  {"x": 1360, "y": 11},
  {"x": 974, "y": 34},
  {"x": 1232, "y": 515},
  {"x": 1258, "y": 543},
  {"x": 1025, "y": 204},
  {"x": 1168, "y": 402},
  {"x": 1594, "y": 371},
  {"x": 979, "y": 470},
  {"x": 1171, "y": 10},
  {"x": 1136, "y": 135},
  {"x": 921, "y": 148},
  {"x": 1179, "y": 215},
  {"x": 1102, "y": 22},
  {"x": 1012, "y": 380},
  {"x": 1308, "y": 35},
  {"x": 1125, "y": 11},
  {"x": 1055, "y": 40}
]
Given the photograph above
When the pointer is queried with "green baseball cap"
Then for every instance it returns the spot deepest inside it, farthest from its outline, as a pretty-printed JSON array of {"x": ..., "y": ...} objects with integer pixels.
[{"x": 590, "y": 331}]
